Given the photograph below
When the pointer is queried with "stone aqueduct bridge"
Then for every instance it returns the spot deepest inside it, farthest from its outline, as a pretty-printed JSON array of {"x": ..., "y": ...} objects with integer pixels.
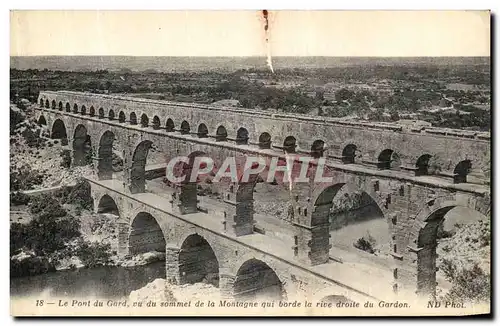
[{"x": 222, "y": 242}]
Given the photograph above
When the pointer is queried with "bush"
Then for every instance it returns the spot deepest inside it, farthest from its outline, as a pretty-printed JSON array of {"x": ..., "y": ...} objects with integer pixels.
[
  {"x": 78, "y": 195},
  {"x": 46, "y": 205},
  {"x": 117, "y": 163},
  {"x": 43, "y": 235},
  {"x": 19, "y": 198},
  {"x": 468, "y": 284},
  {"x": 94, "y": 254},
  {"x": 365, "y": 243},
  {"x": 443, "y": 234},
  {"x": 16, "y": 117},
  {"x": 69, "y": 228},
  {"x": 484, "y": 240},
  {"x": 32, "y": 138},
  {"x": 30, "y": 266},
  {"x": 66, "y": 158},
  {"x": 24, "y": 178}
]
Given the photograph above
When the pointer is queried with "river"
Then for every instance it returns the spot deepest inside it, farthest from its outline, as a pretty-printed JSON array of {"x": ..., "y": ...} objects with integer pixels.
[{"x": 102, "y": 282}]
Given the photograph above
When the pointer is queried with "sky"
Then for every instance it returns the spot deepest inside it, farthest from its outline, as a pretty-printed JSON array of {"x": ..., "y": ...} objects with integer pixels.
[{"x": 241, "y": 33}]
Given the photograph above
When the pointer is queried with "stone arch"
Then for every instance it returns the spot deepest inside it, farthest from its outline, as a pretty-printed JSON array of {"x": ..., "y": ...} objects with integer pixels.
[
  {"x": 332, "y": 190},
  {"x": 242, "y": 136},
  {"x": 185, "y": 128},
  {"x": 144, "y": 120},
  {"x": 388, "y": 160},
  {"x": 349, "y": 154},
  {"x": 75, "y": 108},
  {"x": 221, "y": 134},
  {"x": 422, "y": 165},
  {"x": 121, "y": 117},
  {"x": 423, "y": 237},
  {"x": 60, "y": 106},
  {"x": 107, "y": 205},
  {"x": 461, "y": 171},
  {"x": 54, "y": 104},
  {"x": 47, "y": 104},
  {"x": 111, "y": 115},
  {"x": 82, "y": 146},
  {"x": 290, "y": 144},
  {"x": 133, "y": 118},
  {"x": 265, "y": 140},
  {"x": 68, "y": 107},
  {"x": 101, "y": 113},
  {"x": 156, "y": 122},
  {"x": 105, "y": 165},
  {"x": 92, "y": 111},
  {"x": 202, "y": 131},
  {"x": 59, "y": 132},
  {"x": 138, "y": 168},
  {"x": 198, "y": 261},
  {"x": 318, "y": 148},
  {"x": 255, "y": 279},
  {"x": 41, "y": 103},
  {"x": 170, "y": 126},
  {"x": 42, "y": 121},
  {"x": 146, "y": 235},
  {"x": 320, "y": 219},
  {"x": 83, "y": 110}
]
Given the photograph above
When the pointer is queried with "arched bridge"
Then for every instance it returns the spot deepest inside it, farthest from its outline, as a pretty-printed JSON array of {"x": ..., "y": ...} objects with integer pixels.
[{"x": 414, "y": 177}]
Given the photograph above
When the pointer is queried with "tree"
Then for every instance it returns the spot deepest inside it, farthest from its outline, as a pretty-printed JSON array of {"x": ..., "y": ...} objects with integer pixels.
[
  {"x": 394, "y": 116},
  {"x": 343, "y": 94}
]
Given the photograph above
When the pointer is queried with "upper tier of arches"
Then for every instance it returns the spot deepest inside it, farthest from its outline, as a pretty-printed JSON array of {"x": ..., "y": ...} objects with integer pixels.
[{"x": 352, "y": 152}]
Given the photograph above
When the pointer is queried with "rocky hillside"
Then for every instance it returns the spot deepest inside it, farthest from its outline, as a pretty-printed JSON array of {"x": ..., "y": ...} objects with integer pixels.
[
  {"x": 36, "y": 161},
  {"x": 464, "y": 262}
]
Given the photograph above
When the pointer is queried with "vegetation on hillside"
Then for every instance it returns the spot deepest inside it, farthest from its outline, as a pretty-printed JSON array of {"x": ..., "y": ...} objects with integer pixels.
[
  {"x": 53, "y": 233},
  {"x": 468, "y": 284},
  {"x": 373, "y": 92},
  {"x": 465, "y": 262}
]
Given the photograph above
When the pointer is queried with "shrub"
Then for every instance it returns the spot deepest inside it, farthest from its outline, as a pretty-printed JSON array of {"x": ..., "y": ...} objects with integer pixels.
[
  {"x": 30, "y": 266},
  {"x": 117, "y": 163},
  {"x": 32, "y": 138},
  {"x": 66, "y": 159},
  {"x": 484, "y": 240},
  {"x": 365, "y": 243},
  {"x": 443, "y": 234},
  {"x": 43, "y": 235},
  {"x": 69, "y": 228},
  {"x": 24, "y": 178},
  {"x": 47, "y": 206},
  {"x": 468, "y": 284},
  {"x": 16, "y": 117},
  {"x": 94, "y": 254},
  {"x": 19, "y": 198},
  {"x": 79, "y": 195}
]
